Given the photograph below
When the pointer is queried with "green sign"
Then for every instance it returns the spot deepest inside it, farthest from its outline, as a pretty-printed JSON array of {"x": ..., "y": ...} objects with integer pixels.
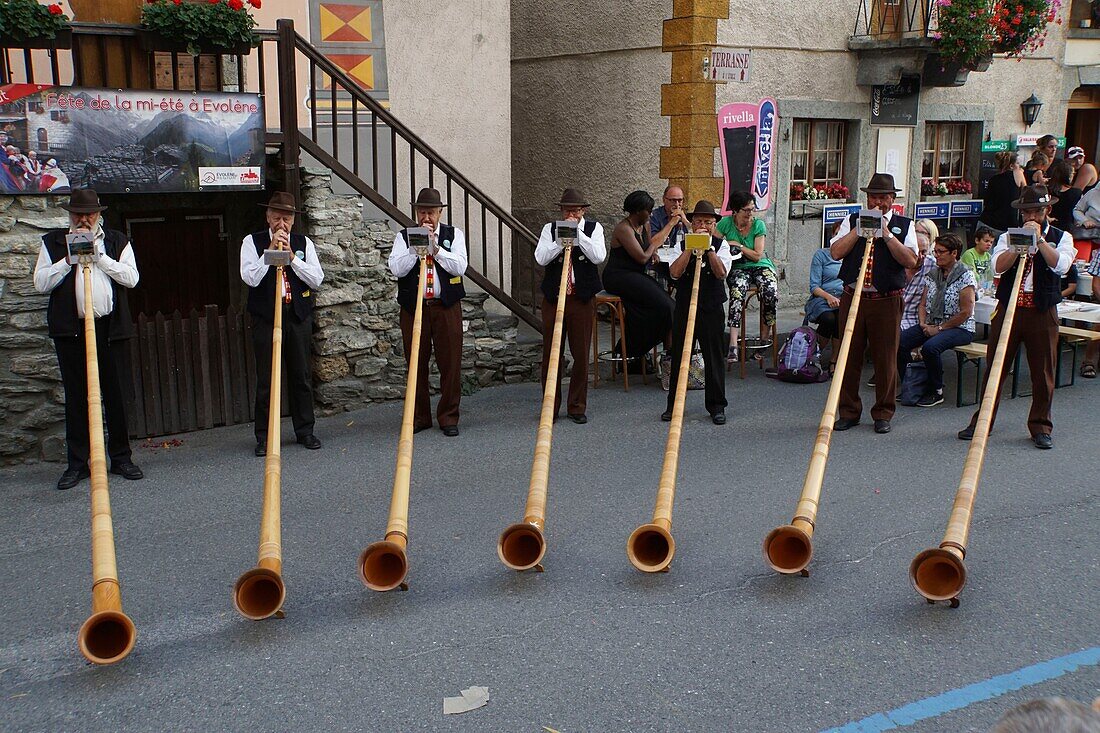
[{"x": 995, "y": 146}]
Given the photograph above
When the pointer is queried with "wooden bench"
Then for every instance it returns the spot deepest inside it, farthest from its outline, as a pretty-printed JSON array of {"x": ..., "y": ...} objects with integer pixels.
[
  {"x": 1071, "y": 337},
  {"x": 971, "y": 353}
]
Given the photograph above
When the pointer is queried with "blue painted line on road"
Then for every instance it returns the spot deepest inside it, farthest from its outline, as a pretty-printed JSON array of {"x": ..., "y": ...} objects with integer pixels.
[{"x": 962, "y": 697}]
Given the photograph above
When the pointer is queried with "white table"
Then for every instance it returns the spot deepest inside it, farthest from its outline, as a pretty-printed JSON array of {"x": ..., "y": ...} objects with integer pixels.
[{"x": 1073, "y": 310}]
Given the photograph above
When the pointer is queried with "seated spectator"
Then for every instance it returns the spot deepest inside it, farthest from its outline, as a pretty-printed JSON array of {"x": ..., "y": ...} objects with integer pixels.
[
  {"x": 825, "y": 289},
  {"x": 1069, "y": 283},
  {"x": 927, "y": 231},
  {"x": 1092, "y": 351},
  {"x": 1036, "y": 168},
  {"x": 1059, "y": 178},
  {"x": 946, "y": 316},
  {"x": 1084, "y": 174},
  {"x": 1086, "y": 214},
  {"x": 977, "y": 257},
  {"x": 747, "y": 236},
  {"x": 1049, "y": 715}
]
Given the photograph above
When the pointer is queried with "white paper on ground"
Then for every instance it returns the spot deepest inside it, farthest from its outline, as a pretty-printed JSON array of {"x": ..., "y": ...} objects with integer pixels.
[{"x": 472, "y": 698}]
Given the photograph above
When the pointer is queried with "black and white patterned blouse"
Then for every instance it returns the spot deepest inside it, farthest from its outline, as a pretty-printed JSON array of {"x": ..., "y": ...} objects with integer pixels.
[{"x": 951, "y": 298}]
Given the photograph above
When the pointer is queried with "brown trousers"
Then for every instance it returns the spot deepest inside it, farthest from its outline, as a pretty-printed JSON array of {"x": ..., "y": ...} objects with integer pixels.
[
  {"x": 442, "y": 330},
  {"x": 1037, "y": 330},
  {"x": 577, "y": 328},
  {"x": 878, "y": 325}
]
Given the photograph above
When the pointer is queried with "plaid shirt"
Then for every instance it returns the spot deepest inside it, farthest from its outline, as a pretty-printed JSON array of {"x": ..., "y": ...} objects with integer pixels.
[{"x": 910, "y": 295}]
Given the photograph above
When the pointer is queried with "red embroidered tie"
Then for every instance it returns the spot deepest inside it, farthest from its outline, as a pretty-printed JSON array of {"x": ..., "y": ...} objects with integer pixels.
[
  {"x": 429, "y": 288},
  {"x": 1026, "y": 298},
  {"x": 286, "y": 286},
  {"x": 867, "y": 280},
  {"x": 569, "y": 280}
]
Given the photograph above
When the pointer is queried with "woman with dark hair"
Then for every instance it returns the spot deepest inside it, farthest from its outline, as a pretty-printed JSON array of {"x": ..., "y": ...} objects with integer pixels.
[
  {"x": 747, "y": 235},
  {"x": 946, "y": 316},
  {"x": 1059, "y": 182},
  {"x": 1003, "y": 189},
  {"x": 648, "y": 307}
]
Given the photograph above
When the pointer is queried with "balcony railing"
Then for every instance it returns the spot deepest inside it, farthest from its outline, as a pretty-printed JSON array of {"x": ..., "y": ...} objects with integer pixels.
[{"x": 895, "y": 19}]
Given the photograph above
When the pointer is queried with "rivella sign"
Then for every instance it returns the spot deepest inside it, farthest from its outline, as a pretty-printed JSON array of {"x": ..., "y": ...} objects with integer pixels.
[{"x": 745, "y": 134}]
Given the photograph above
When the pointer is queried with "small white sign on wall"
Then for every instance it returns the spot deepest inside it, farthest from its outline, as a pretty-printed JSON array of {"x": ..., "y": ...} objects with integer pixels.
[
  {"x": 894, "y": 146},
  {"x": 728, "y": 64}
]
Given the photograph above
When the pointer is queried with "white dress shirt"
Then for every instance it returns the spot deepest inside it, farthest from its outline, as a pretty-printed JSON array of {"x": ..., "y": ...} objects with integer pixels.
[
  {"x": 253, "y": 269},
  {"x": 403, "y": 258},
  {"x": 48, "y": 275},
  {"x": 548, "y": 249},
  {"x": 1066, "y": 253},
  {"x": 910, "y": 241}
]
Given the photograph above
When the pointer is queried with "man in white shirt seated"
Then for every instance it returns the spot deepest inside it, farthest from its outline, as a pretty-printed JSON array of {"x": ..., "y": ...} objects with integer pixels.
[
  {"x": 301, "y": 279},
  {"x": 114, "y": 271}
]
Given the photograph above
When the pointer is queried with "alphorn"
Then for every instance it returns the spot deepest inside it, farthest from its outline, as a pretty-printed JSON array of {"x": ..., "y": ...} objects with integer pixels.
[
  {"x": 107, "y": 636},
  {"x": 939, "y": 573},
  {"x": 384, "y": 564},
  {"x": 259, "y": 593},
  {"x": 522, "y": 546},
  {"x": 788, "y": 549},
  {"x": 650, "y": 547}
]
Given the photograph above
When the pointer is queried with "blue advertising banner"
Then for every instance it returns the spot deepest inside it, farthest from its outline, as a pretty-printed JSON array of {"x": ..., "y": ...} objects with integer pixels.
[
  {"x": 966, "y": 208},
  {"x": 932, "y": 210}
]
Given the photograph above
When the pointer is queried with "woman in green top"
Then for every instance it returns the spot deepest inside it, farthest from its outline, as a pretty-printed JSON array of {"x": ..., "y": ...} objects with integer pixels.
[{"x": 746, "y": 235}]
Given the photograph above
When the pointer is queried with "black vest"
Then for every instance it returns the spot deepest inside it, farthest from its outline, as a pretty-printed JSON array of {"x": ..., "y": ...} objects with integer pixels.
[
  {"x": 1046, "y": 285},
  {"x": 261, "y": 299},
  {"x": 586, "y": 275},
  {"x": 886, "y": 273},
  {"x": 61, "y": 313},
  {"x": 712, "y": 290},
  {"x": 448, "y": 287}
]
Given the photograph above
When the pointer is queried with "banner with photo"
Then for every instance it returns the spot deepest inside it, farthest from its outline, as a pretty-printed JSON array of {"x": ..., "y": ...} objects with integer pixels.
[
  {"x": 135, "y": 141},
  {"x": 745, "y": 133}
]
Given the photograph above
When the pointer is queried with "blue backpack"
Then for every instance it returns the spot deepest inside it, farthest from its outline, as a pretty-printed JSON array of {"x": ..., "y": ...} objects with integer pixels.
[{"x": 800, "y": 358}]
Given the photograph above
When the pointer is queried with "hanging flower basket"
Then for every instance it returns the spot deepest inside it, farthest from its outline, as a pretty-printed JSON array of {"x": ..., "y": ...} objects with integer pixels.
[
  {"x": 969, "y": 32},
  {"x": 197, "y": 27},
  {"x": 29, "y": 24}
]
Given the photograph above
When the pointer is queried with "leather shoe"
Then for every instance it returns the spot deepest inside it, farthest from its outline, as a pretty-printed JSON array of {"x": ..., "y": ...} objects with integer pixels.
[
  {"x": 845, "y": 423},
  {"x": 1042, "y": 440},
  {"x": 719, "y": 418},
  {"x": 420, "y": 428},
  {"x": 578, "y": 418},
  {"x": 666, "y": 416},
  {"x": 72, "y": 477},
  {"x": 127, "y": 470},
  {"x": 967, "y": 433},
  {"x": 882, "y": 426},
  {"x": 311, "y": 441},
  {"x": 261, "y": 449},
  {"x": 450, "y": 430}
]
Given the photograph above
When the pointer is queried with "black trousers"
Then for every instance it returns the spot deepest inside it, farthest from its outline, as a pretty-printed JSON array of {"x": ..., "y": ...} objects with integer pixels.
[
  {"x": 297, "y": 371},
  {"x": 648, "y": 308},
  {"x": 711, "y": 337},
  {"x": 114, "y": 364}
]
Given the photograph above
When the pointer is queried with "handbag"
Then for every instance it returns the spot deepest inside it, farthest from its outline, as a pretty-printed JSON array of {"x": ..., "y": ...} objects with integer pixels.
[
  {"x": 913, "y": 383},
  {"x": 695, "y": 375}
]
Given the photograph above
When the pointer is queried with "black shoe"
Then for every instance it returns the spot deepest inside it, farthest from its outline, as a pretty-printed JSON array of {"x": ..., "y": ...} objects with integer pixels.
[
  {"x": 311, "y": 441},
  {"x": 845, "y": 424},
  {"x": 882, "y": 426},
  {"x": 420, "y": 428},
  {"x": 261, "y": 449},
  {"x": 72, "y": 477},
  {"x": 450, "y": 430},
  {"x": 579, "y": 418},
  {"x": 967, "y": 433},
  {"x": 718, "y": 418},
  {"x": 1042, "y": 440},
  {"x": 666, "y": 416},
  {"x": 127, "y": 470},
  {"x": 930, "y": 400}
]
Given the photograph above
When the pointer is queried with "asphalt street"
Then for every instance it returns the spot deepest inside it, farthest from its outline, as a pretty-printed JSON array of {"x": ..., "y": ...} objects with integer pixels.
[{"x": 720, "y": 643}]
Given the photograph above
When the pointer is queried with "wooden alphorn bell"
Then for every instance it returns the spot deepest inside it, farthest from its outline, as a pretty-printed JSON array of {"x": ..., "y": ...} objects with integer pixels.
[
  {"x": 107, "y": 636},
  {"x": 259, "y": 593},
  {"x": 522, "y": 546},
  {"x": 788, "y": 549},
  {"x": 650, "y": 547},
  {"x": 384, "y": 564},
  {"x": 939, "y": 573}
]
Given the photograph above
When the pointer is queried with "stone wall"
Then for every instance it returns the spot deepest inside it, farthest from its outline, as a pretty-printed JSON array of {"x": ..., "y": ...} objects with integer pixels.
[{"x": 357, "y": 346}]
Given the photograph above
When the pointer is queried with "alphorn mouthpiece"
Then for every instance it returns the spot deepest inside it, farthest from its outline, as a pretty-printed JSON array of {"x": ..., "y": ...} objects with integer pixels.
[
  {"x": 521, "y": 546},
  {"x": 938, "y": 574},
  {"x": 106, "y": 637},
  {"x": 650, "y": 548}
]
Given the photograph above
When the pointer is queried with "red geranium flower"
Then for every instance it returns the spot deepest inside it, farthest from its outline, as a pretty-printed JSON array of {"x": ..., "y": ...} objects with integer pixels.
[
  {"x": 236, "y": 4},
  {"x": 254, "y": 3},
  {"x": 55, "y": 10}
]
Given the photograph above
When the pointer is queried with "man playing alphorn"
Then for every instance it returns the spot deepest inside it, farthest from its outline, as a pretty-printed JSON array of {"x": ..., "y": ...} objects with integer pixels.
[
  {"x": 878, "y": 324},
  {"x": 300, "y": 280},
  {"x": 583, "y": 284},
  {"x": 441, "y": 328},
  {"x": 709, "y": 315},
  {"x": 1035, "y": 324},
  {"x": 114, "y": 270}
]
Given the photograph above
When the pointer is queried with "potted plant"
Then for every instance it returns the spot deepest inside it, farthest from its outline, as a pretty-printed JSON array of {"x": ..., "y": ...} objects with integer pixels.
[
  {"x": 1021, "y": 25},
  {"x": 29, "y": 24},
  {"x": 959, "y": 188},
  {"x": 199, "y": 26},
  {"x": 811, "y": 199},
  {"x": 964, "y": 38}
]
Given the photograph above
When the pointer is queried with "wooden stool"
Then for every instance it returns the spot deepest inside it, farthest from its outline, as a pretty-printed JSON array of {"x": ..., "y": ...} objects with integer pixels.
[
  {"x": 617, "y": 312},
  {"x": 754, "y": 343}
]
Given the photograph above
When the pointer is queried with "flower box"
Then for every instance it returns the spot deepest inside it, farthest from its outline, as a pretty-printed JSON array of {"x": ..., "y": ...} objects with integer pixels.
[
  {"x": 153, "y": 41},
  {"x": 63, "y": 39},
  {"x": 812, "y": 208}
]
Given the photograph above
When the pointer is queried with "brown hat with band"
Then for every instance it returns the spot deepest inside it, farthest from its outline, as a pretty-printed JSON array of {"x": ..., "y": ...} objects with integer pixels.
[
  {"x": 83, "y": 201},
  {"x": 428, "y": 198},
  {"x": 282, "y": 201},
  {"x": 1034, "y": 197},
  {"x": 571, "y": 197},
  {"x": 881, "y": 183},
  {"x": 704, "y": 208}
]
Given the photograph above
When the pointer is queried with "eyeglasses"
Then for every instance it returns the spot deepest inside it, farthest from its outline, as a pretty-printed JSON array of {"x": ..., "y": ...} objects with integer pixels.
[
  {"x": 675, "y": 201},
  {"x": 747, "y": 210},
  {"x": 940, "y": 252}
]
